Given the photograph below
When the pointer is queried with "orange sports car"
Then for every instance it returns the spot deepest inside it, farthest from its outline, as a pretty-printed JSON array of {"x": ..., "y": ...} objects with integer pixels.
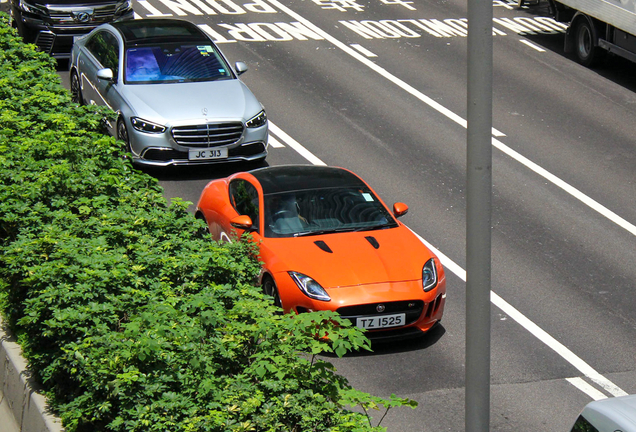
[{"x": 328, "y": 242}]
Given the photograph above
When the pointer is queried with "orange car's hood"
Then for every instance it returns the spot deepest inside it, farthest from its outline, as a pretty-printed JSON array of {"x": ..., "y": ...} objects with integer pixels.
[{"x": 353, "y": 260}]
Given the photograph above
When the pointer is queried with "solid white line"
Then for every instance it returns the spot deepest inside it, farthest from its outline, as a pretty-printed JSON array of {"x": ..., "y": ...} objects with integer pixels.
[
  {"x": 566, "y": 187},
  {"x": 294, "y": 144},
  {"x": 441, "y": 109},
  {"x": 363, "y": 50},
  {"x": 534, "y": 329},
  {"x": 582, "y": 385},
  {"x": 531, "y": 45},
  {"x": 403, "y": 85},
  {"x": 557, "y": 346},
  {"x": 507, "y": 308},
  {"x": 274, "y": 142}
]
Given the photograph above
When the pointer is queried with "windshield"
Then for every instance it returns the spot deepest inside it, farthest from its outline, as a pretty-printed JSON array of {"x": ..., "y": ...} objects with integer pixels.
[
  {"x": 174, "y": 62},
  {"x": 321, "y": 211}
]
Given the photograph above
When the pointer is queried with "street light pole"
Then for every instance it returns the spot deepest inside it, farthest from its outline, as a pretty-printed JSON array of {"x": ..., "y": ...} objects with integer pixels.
[{"x": 478, "y": 215}]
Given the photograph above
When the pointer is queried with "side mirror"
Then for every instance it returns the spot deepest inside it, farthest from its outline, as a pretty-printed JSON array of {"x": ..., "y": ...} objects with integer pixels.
[
  {"x": 243, "y": 222},
  {"x": 105, "y": 74},
  {"x": 400, "y": 209},
  {"x": 240, "y": 67}
]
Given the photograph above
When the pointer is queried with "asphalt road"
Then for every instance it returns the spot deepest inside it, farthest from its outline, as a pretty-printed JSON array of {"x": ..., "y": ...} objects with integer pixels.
[{"x": 379, "y": 87}]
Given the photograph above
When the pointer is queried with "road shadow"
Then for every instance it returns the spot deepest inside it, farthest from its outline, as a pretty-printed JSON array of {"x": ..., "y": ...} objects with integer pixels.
[
  {"x": 399, "y": 346},
  {"x": 200, "y": 172}
]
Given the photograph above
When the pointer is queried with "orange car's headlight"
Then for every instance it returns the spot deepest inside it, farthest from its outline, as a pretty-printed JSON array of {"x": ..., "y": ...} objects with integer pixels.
[
  {"x": 309, "y": 287},
  {"x": 429, "y": 275}
]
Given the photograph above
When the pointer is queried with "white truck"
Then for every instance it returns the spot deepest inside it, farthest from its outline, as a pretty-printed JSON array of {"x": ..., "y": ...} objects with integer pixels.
[{"x": 597, "y": 27}]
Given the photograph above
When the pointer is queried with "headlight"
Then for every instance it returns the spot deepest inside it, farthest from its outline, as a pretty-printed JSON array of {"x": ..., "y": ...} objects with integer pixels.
[
  {"x": 146, "y": 126},
  {"x": 27, "y": 7},
  {"x": 429, "y": 275},
  {"x": 310, "y": 287},
  {"x": 257, "y": 121}
]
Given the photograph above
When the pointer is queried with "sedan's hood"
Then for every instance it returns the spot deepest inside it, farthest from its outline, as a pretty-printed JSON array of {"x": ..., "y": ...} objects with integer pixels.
[
  {"x": 356, "y": 258},
  {"x": 177, "y": 103}
]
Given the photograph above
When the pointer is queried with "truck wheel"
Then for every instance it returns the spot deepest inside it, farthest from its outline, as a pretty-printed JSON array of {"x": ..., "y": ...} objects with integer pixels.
[{"x": 585, "y": 43}]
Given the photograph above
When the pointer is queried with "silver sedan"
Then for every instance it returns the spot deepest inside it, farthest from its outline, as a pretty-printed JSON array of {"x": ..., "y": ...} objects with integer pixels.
[{"x": 177, "y": 99}]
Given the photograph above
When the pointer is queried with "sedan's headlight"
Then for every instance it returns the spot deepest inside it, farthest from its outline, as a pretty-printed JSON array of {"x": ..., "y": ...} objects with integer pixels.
[
  {"x": 310, "y": 287},
  {"x": 37, "y": 10},
  {"x": 145, "y": 126},
  {"x": 257, "y": 121},
  {"x": 429, "y": 275}
]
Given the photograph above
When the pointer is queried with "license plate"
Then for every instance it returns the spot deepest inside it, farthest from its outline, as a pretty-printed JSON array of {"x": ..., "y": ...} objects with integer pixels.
[
  {"x": 207, "y": 154},
  {"x": 383, "y": 321}
]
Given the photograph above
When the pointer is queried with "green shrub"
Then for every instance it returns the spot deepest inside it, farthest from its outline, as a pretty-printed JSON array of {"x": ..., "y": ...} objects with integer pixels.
[{"x": 131, "y": 317}]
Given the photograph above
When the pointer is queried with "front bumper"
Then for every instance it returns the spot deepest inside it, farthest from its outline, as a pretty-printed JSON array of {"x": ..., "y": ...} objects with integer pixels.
[
  {"x": 422, "y": 309},
  {"x": 161, "y": 149},
  {"x": 163, "y": 156},
  {"x": 53, "y": 38}
]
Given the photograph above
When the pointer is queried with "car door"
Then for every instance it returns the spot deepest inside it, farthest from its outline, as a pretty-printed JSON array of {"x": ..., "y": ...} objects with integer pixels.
[
  {"x": 102, "y": 52},
  {"x": 245, "y": 201}
]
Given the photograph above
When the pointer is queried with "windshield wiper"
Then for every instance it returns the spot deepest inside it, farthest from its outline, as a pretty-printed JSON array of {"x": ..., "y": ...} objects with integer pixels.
[
  {"x": 375, "y": 227},
  {"x": 340, "y": 230}
]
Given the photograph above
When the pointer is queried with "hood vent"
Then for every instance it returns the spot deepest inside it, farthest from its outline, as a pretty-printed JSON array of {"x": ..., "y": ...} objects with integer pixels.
[
  {"x": 322, "y": 245},
  {"x": 373, "y": 242}
]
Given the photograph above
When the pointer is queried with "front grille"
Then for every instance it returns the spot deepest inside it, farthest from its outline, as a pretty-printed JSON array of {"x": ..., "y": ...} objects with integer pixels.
[
  {"x": 61, "y": 16},
  {"x": 412, "y": 308},
  {"x": 208, "y": 135}
]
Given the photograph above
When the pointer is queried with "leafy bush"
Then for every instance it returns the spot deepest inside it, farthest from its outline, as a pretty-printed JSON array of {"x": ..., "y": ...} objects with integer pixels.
[{"x": 130, "y": 317}]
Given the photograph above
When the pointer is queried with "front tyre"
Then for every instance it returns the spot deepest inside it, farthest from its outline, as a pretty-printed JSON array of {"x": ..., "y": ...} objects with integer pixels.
[
  {"x": 122, "y": 134},
  {"x": 269, "y": 287},
  {"x": 76, "y": 89}
]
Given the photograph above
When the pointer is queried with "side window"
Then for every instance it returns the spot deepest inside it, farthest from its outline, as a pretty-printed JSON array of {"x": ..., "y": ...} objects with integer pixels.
[
  {"x": 582, "y": 425},
  {"x": 105, "y": 48},
  {"x": 244, "y": 198}
]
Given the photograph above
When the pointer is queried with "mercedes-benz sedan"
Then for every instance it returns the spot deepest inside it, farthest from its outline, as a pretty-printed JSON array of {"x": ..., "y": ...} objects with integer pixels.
[{"x": 177, "y": 100}]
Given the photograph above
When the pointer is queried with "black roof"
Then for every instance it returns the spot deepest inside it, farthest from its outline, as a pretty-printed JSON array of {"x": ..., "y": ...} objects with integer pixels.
[
  {"x": 151, "y": 30},
  {"x": 288, "y": 178}
]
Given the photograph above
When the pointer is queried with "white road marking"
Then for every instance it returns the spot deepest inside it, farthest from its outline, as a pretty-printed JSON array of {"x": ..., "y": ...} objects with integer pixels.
[
  {"x": 363, "y": 50},
  {"x": 403, "y": 85},
  {"x": 459, "y": 120},
  {"x": 566, "y": 187},
  {"x": 531, "y": 45},
  {"x": 534, "y": 329},
  {"x": 294, "y": 144},
  {"x": 507, "y": 308},
  {"x": 582, "y": 385},
  {"x": 274, "y": 142}
]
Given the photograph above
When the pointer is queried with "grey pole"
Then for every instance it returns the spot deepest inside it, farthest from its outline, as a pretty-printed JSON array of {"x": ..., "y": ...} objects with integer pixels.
[{"x": 478, "y": 215}]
